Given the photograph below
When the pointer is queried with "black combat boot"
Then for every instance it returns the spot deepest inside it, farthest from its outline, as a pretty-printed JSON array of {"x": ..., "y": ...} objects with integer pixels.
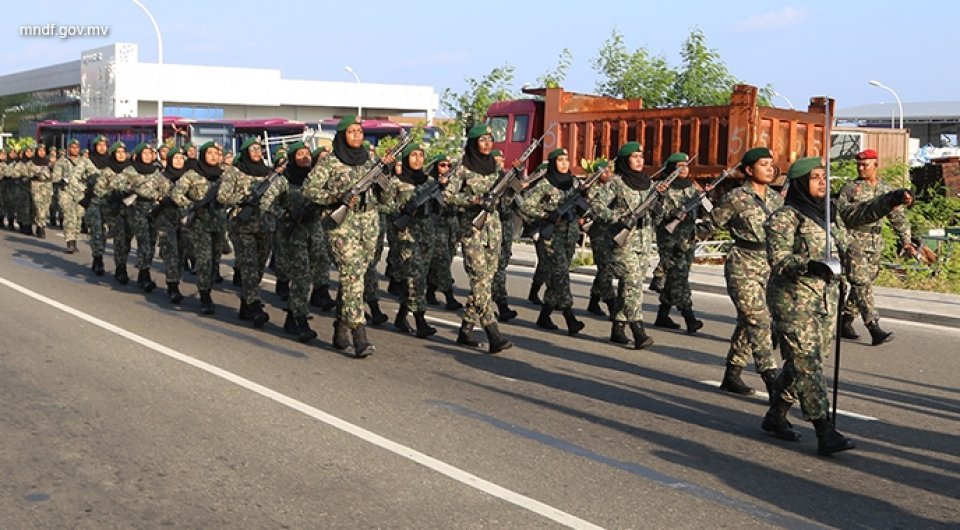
[
  {"x": 594, "y": 306},
  {"x": 424, "y": 330},
  {"x": 298, "y": 326},
  {"x": 732, "y": 382},
  {"x": 829, "y": 441},
  {"x": 258, "y": 315},
  {"x": 693, "y": 324},
  {"x": 144, "y": 281},
  {"x": 452, "y": 303},
  {"x": 640, "y": 338},
  {"x": 320, "y": 297},
  {"x": 401, "y": 321},
  {"x": 534, "y": 296},
  {"x": 97, "y": 267},
  {"x": 341, "y": 335},
  {"x": 496, "y": 341},
  {"x": 543, "y": 321},
  {"x": 173, "y": 291},
  {"x": 41, "y": 232},
  {"x": 206, "y": 303},
  {"x": 657, "y": 283},
  {"x": 377, "y": 316},
  {"x": 618, "y": 334},
  {"x": 877, "y": 335},
  {"x": 237, "y": 280},
  {"x": 72, "y": 247},
  {"x": 26, "y": 229},
  {"x": 283, "y": 289},
  {"x": 432, "y": 296},
  {"x": 573, "y": 325},
  {"x": 846, "y": 328},
  {"x": 504, "y": 313},
  {"x": 663, "y": 318},
  {"x": 769, "y": 377},
  {"x": 464, "y": 338},
  {"x": 121, "y": 274},
  {"x": 775, "y": 422},
  {"x": 361, "y": 346}
]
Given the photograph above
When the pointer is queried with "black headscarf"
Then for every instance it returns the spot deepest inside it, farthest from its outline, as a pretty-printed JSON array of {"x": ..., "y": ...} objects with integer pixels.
[
  {"x": 477, "y": 162},
  {"x": 170, "y": 172},
  {"x": 351, "y": 156},
  {"x": 294, "y": 173},
  {"x": 143, "y": 168},
  {"x": 562, "y": 181},
  {"x": 99, "y": 161},
  {"x": 678, "y": 183},
  {"x": 209, "y": 172},
  {"x": 248, "y": 166},
  {"x": 410, "y": 175},
  {"x": 635, "y": 179},
  {"x": 798, "y": 197},
  {"x": 116, "y": 165},
  {"x": 37, "y": 159}
]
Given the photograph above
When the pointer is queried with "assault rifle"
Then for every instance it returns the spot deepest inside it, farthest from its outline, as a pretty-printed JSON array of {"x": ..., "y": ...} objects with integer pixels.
[
  {"x": 205, "y": 202},
  {"x": 575, "y": 203},
  {"x": 378, "y": 174},
  {"x": 699, "y": 200},
  {"x": 509, "y": 180},
  {"x": 426, "y": 192},
  {"x": 633, "y": 218},
  {"x": 251, "y": 202},
  {"x": 167, "y": 201}
]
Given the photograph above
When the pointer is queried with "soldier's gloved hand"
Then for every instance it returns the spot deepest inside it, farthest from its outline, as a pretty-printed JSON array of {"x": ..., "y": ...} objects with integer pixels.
[
  {"x": 821, "y": 270},
  {"x": 902, "y": 196},
  {"x": 553, "y": 217},
  {"x": 409, "y": 208}
]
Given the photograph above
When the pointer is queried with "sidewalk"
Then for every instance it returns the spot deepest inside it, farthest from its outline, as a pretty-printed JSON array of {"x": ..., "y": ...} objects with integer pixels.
[{"x": 940, "y": 309}]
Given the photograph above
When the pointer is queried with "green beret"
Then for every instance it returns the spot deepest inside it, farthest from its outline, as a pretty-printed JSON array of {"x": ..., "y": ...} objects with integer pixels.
[
  {"x": 117, "y": 145},
  {"x": 556, "y": 153},
  {"x": 82, "y": 151},
  {"x": 296, "y": 146},
  {"x": 173, "y": 151},
  {"x": 347, "y": 121},
  {"x": 202, "y": 148},
  {"x": 246, "y": 145},
  {"x": 186, "y": 147},
  {"x": 319, "y": 150},
  {"x": 803, "y": 167},
  {"x": 479, "y": 130},
  {"x": 629, "y": 148},
  {"x": 541, "y": 167},
  {"x": 439, "y": 158},
  {"x": 140, "y": 147},
  {"x": 602, "y": 164},
  {"x": 751, "y": 156},
  {"x": 73, "y": 141},
  {"x": 281, "y": 153},
  {"x": 98, "y": 139},
  {"x": 496, "y": 152},
  {"x": 411, "y": 148},
  {"x": 677, "y": 157}
]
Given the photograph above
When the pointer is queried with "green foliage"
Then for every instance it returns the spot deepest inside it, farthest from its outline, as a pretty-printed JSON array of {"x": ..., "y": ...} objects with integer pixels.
[
  {"x": 449, "y": 140},
  {"x": 470, "y": 106},
  {"x": 554, "y": 78},
  {"x": 703, "y": 78},
  {"x": 18, "y": 144},
  {"x": 591, "y": 166}
]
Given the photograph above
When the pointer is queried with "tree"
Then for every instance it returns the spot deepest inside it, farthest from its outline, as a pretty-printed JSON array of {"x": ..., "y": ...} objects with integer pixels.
[
  {"x": 703, "y": 78},
  {"x": 633, "y": 75},
  {"x": 553, "y": 79},
  {"x": 470, "y": 106}
]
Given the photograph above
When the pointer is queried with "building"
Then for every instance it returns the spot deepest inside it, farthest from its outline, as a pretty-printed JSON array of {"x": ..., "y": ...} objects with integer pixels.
[
  {"x": 933, "y": 124},
  {"x": 112, "y": 82}
]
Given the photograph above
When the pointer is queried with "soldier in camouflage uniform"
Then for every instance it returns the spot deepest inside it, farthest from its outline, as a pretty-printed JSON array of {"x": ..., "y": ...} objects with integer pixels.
[
  {"x": 251, "y": 237},
  {"x": 743, "y": 212},
  {"x": 353, "y": 242},
  {"x": 629, "y": 188},
  {"x": 508, "y": 220},
  {"x": 74, "y": 172},
  {"x": 866, "y": 247},
  {"x": 414, "y": 239},
  {"x": 170, "y": 231},
  {"x": 196, "y": 191},
  {"x": 677, "y": 249},
  {"x": 93, "y": 216},
  {"x": 110, "y": 188},
  {"x": 481, "y": 247},
  {"x": 20, "y": 198},
  {"x": 37, "y": 172},
  {"x": 147, "y": 186},
  {"x": 540, "y": 204},
  {"x": 804, "y": 293},
  {"x": 601, "y": 244},
  {"x": 6, "y": 170},
  {"x": 445, "y": 238}
]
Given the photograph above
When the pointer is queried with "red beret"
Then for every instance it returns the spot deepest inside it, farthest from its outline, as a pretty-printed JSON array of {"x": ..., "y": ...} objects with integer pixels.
[{"x": 867, "y": 155}]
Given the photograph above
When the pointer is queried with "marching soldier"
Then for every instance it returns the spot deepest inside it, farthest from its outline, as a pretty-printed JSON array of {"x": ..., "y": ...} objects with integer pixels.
[
  {"x": 170, "y": 232},
  {"x": 73, "y": 171},
  {"x": 866, "y": 247},
  {"x": 445, "y": 239},
  {"x": 93, "y": 214},
  {"x": 508, "y": 220},
  {"x": 601, "y": 243},
  {"x": 147, "y": 183},
  {"x": 481, "y": 247},
  {"x": 110, "y": 188},
  {"x": 36, "y": 172}
]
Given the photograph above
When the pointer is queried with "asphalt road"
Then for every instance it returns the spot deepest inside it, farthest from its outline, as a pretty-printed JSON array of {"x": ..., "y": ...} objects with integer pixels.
[{"x": 120, "y": 410}]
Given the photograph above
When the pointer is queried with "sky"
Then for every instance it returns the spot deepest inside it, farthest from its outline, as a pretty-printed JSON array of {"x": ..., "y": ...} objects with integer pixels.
[{"x": 803, "y": 49}]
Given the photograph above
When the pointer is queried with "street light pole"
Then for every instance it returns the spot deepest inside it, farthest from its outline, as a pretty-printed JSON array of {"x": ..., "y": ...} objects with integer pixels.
[
  {"x": 878, "y": 84},
  {"x": 156, "y": 28},
  {"x": 785, "y": 98},
  {"x": 357, "y": 78}
]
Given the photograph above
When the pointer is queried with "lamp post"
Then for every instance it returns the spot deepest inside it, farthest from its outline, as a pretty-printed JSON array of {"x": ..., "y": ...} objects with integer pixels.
[
  {"x": 785, "y": 98},
  {"x": 156, "y": 28},
  {"x": 357, "y": 78},
  {"x": 878, "y": 84}
]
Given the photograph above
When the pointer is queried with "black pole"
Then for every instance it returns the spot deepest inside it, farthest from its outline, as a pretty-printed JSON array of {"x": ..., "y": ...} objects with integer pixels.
[{"x": 836, "y": 361}]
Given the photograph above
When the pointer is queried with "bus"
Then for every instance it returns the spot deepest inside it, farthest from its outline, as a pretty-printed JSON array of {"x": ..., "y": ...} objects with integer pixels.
[{"x": 133, "y": 131}]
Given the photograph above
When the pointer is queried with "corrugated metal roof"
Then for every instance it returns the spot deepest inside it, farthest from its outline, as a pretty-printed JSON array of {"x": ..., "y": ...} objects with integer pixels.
[{"x": 912, "y": 111}]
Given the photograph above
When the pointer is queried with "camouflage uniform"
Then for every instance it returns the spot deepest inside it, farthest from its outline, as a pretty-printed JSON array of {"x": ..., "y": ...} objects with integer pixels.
[
  {"x": 41, "y": 192},
  {"x": 742, "y": 212},
  {"x": 170, "y": 234},
  {"x": 677, "y": 249},
  {"x": 508, "y": 220},
  {"x": 414, "y": 242},
  {"x": 444, "y": 240},
  {"x": 149, "y": 189},
  {"x": 75, "y": 175},
  {"x": 6, "y": 210},
  {"x": 205, "y": 233},
  {"x": 20, "y": 198},
  {"x": 538, "y": 203},
  {"x": 370, "y": 275},
  {"x": 354, "y": 241},
  {"x": 110, "y": 188},
  {"x": 601, "y": 243},
  {"x": 866, "y": 245}
]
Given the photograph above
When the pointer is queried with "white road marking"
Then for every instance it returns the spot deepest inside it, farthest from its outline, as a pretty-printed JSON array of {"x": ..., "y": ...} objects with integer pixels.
[
  {"x": 716, "y": 384},
  {"x": 413, "y": 455}
]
